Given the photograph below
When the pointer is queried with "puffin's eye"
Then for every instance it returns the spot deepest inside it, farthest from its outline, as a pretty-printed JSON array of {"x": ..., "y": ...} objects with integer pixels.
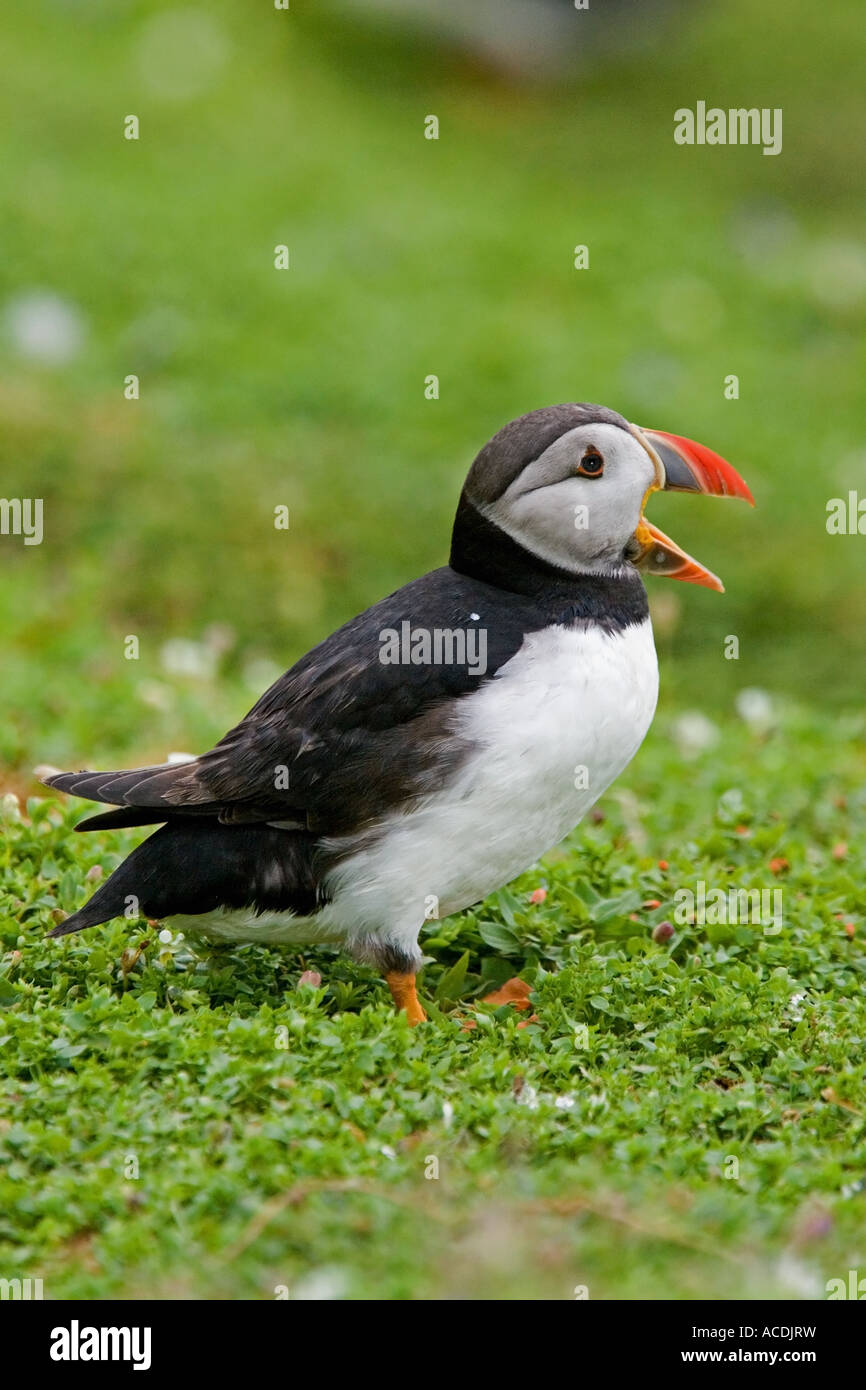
[{"x": 591, "y": 465}]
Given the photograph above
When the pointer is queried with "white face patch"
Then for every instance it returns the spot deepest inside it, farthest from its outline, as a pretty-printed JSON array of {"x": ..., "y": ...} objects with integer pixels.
[{"x": 578, "y": 523}]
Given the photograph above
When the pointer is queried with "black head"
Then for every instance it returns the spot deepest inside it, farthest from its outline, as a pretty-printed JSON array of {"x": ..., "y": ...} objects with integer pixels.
[{"x": 565, "y": 487}]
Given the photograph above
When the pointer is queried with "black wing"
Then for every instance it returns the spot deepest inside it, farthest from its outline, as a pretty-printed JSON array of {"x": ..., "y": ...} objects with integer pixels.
[{"x": 342, "y": 737}]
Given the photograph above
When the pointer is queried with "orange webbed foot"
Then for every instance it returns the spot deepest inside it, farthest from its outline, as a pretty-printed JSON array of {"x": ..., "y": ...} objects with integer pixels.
[{"x": 402, "y": 987}]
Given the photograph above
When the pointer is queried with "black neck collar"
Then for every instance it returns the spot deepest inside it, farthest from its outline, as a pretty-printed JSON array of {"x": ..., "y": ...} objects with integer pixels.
[{"x": 485, "y": 552}]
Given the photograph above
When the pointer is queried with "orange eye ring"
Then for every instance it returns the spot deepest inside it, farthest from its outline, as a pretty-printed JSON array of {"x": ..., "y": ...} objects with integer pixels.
[{"x": 591, "y": 465}]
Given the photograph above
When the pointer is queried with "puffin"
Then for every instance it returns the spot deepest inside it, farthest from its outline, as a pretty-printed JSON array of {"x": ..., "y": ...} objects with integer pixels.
[{"x": 437, "y": 745}]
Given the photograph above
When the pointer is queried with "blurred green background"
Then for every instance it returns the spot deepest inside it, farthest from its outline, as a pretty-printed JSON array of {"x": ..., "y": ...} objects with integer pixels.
[{"x": 408, "y": 257}]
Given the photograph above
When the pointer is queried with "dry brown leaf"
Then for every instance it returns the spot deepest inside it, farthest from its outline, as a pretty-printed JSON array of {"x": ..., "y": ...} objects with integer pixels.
[
  {"x": 515, "y": 991},
  {"x": 829, "y": 1094}
]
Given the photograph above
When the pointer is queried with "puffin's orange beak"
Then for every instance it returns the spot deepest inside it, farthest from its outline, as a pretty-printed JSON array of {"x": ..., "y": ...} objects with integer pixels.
[{"x": 682, "y": 466}]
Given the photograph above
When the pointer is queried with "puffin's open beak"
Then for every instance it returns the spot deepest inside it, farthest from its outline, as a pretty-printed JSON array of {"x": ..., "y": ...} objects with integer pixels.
[{"x": 681, "y": 466}]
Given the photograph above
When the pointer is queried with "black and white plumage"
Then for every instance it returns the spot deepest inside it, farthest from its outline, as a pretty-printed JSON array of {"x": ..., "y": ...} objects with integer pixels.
[{"x": 357, "y": 793}]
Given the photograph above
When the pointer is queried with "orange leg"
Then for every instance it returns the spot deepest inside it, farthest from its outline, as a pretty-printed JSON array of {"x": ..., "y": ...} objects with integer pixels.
[{"x": 402, "y": 989}]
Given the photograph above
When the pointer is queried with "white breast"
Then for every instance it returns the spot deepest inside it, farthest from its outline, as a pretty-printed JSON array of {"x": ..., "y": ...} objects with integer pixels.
[{"x": 551, "y": 731}]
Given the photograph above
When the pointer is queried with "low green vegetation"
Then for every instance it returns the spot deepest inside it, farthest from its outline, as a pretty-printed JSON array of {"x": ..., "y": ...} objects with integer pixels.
[{"x": 675, "y": 1119}]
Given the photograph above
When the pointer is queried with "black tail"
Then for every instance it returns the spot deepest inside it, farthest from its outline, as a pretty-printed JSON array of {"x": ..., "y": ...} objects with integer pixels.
[{"x": 194, "y": 866}]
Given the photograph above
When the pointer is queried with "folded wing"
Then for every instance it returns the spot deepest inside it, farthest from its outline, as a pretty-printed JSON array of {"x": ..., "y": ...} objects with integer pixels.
[{"x": 342, "y": 737}]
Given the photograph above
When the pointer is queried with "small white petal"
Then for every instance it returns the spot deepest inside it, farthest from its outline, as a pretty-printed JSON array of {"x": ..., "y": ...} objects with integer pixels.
[
  {"x": 44, "y": 327},
  {"x": 799, "y": 1278},
  {"x": 694, "y": 732},
  {"x": 44, "y": 770},
  {"x": 180, "y": 657},
  {"x": 321, "y": 1285},
  {"x": 755, "y": 707}
]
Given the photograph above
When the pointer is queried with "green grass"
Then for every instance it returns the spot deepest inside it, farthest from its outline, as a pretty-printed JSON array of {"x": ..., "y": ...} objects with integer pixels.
[{"x": 280, "y": 1134}]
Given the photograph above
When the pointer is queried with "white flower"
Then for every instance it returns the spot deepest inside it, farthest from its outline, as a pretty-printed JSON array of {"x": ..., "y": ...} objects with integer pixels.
[
  {"x": 180, "y": 657},
  {"x": 798, "y": 1278},
  {"x": 694, "y": 733},
  {"x": 794, "y": 1009},
  {"x": 42, "y": 771},
  {"x": 321, "y": 1286},
  {"x": 165, "y": 936},
  {"x": 756, "y": 708},
  {"x": 44, "y": 327}
]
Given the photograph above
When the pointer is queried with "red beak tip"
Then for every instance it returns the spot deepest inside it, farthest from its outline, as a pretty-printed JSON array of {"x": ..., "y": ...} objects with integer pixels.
[
  {"x": 712, "y": 473},
  {"x": 743, "y": 491}
]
